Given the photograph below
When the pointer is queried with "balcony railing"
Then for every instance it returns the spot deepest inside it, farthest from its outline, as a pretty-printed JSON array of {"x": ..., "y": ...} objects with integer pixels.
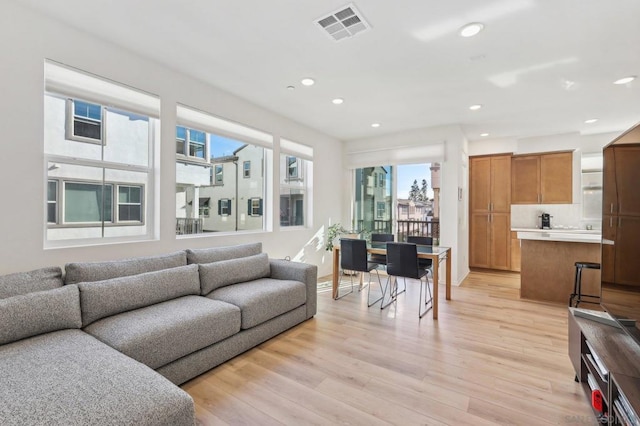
[
  {"x": 186, "y": 226},
  {"x": 421, "y": 228}
]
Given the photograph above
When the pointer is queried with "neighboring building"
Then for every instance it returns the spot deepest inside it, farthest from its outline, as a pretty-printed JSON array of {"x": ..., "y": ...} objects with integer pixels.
[
  {"x": 414, "y": 210},
  {"x": 373, "y": 199},
  {"x": 435, "y": 184}
]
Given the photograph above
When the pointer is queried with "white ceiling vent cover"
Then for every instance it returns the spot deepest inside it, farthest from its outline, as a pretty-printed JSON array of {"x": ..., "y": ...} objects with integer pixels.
[{"x": 344, "y": 23}]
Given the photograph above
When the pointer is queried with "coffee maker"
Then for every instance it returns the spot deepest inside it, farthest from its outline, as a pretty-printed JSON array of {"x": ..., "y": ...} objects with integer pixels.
[{"x": 545, "y": 221}]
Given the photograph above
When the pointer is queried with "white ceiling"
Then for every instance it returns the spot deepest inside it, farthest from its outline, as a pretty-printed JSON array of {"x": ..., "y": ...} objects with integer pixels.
[{"x": 539, "y": 67}]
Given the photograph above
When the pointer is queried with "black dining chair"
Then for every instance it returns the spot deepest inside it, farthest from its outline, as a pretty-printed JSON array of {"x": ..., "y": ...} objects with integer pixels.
[
  {"x": 380, "y": 259},
  {"x": 353, "y": 257},
  {"x": 402, "y": 261},
  {"x": 423, "y": 241}
]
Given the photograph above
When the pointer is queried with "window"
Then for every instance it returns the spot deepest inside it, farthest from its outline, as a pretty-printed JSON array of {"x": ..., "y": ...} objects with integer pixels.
[
  {"x": 255, "y": 207},
  {"x": 292, "y": 167},
  {"x": 296, "y": 166},
  {"x": 375, "y": 180},
  {"x": 372, "y": 208},
  {"x": 224, "y": 207},
  {"x": 98, "y": 190},
  {"x": 87, "y": 202},
  {"x": 129, "y": 203},
  {"x": 380, "y": 209},
  {"x": 218, "y": 174},
  {"x": 232, "y": 159},
  {"x": 52, "y": 201},
  {"x": 85, "y": 122},
  {"x": 204, "y": 210},
  {"x": 181, "y": 140},
  {"x": 381, "y": 180}
]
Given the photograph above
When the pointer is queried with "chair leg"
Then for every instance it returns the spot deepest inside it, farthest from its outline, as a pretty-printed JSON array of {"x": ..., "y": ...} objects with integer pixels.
[
  {"x": 427, "y": 304},
  {"x": 382, "y": 290},
  {"x": 340, "y": 296},
  {"x": 393, "y": 293}
]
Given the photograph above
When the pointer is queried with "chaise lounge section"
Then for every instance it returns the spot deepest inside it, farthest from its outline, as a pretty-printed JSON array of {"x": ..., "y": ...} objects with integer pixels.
[{"x": 90, "y": 347}]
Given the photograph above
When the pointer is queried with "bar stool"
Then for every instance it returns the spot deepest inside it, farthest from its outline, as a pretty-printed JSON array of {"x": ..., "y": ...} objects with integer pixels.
[{"x": 577, "y": 285}]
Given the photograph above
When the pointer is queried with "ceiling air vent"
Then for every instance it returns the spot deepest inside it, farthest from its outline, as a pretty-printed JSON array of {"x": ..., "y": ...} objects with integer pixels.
[{"x": 344, "y": 23}]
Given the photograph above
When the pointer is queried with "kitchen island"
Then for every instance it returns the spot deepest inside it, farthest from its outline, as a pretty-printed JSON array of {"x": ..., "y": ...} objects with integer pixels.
[{"x": 548, "y": 262}]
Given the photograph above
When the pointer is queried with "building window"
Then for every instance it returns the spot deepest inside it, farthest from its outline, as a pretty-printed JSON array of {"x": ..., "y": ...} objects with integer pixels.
[
  {"x": 255, "y": 207},
  {"x": 129, "y": 203},
  {"x": 224, "y": 207},
  {"x": 205, "y": 208},
  {"x": 218, "y": 171},
  {"x": 197, "y": 143},
  {"x": 96, "y": 192},
  {"x": 52, "y": 201},
  {"x": 85, "y": 124},
  {"x": 380, "y": 209},
  {"x": 181, "y": 140},
  {"x": 381, "y": 180},
  {"x": 246, "y": 169},
  {"x": 292, "y": 168},
  {"x": 375, "y": 180},
  {"x": 87, "y": 202}
]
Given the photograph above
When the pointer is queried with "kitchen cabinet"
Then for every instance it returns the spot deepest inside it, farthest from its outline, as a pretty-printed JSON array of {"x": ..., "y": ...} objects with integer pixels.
[
  {"x": 542, "y": 178},
  {"x": 627, "y": 179},
  {"x": 609, "y": 190},
  {"x": 515, "y": 252},
  {"x": 490, "y": 212}
]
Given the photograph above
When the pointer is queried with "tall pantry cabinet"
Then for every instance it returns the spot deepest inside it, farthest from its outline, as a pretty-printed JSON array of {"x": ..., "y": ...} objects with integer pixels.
[{"x": 490, "y": 212}]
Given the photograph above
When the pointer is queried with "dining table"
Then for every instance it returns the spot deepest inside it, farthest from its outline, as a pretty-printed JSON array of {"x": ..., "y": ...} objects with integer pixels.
[{"x": 437, "y": 254}]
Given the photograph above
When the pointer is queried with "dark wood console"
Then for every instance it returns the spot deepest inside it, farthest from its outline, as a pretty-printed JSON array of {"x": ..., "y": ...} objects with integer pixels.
[{"x": 606, "y": 358}]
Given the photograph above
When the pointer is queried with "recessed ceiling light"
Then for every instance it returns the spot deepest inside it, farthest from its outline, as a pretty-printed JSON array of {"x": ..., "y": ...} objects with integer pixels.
[
  {"x": 484, "y": 135},
  {"x": 308, "y": 81},
  {"x": 475, "y": 107},
  {"x": 590, "y": 121},
  {"x": 338, "y": 101},
  {"x": 625, "y": 80},
  {"x": 375, "y": 125},
  {"x": 471, "y": 29},
  {"x": 291, "y": 87}
]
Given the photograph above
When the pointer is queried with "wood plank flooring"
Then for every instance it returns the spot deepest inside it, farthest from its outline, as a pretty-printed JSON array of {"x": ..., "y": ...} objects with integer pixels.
[{"x": 489, "y": 359}]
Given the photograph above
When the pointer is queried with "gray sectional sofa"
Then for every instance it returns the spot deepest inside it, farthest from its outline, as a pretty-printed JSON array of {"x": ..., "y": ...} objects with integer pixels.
[{"x": 109, "y": 343}]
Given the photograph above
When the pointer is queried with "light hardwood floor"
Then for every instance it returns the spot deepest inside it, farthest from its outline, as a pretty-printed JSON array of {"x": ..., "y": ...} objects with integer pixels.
[{"x": 489, "y": 359}]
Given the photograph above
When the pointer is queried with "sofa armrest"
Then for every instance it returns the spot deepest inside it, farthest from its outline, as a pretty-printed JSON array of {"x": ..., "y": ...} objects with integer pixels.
[{"x": 297, "y": 271}]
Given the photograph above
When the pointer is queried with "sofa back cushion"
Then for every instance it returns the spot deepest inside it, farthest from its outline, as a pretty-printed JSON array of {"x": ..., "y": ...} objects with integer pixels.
[
  {"x": 98, "y": 271},
  {"x": 38, "y": 313},
  {"x": 100, "y": 299},
  {"x": 28, "y": 282},
  {"x": 216, "y": 254},
  {"x": 226, "y": 272}
]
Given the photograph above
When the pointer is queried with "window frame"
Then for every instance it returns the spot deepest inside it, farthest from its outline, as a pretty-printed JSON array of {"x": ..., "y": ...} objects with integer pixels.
[
  {"x": 64, "y": 223},
  {"x": 296, "y": 161},
  {"x": 246, "y": 172},
  {"x": 225, "y": 210},
  {"x": 70, "y": 119},
  {"x": 259, "y": 207},
  {"x": 55, "y": 202},
  {"x": 117, "y": 204},
  {"x": 215, "y": 174},
  {"x": 378, "y": 212}
]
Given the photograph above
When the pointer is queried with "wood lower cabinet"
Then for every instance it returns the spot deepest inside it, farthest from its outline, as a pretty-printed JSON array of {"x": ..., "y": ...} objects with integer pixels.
[
  {"x": 490, "y": 241},
  {"x": 515, "y": 252},
  {"x": 627, "y": 266},
  {"x": 542, "y": 179}
]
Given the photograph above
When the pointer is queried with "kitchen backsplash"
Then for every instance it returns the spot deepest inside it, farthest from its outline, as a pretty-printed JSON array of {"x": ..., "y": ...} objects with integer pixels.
[{"x": 567, "y": 216}]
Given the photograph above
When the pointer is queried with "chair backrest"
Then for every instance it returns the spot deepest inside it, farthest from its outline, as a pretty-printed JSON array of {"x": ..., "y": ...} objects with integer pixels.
[
  {"x": 423, "y": 241},
  {"x": 382, "y": 237},
  {"x": 402, "y": 260},
  {"x": 353, "y": 254}
]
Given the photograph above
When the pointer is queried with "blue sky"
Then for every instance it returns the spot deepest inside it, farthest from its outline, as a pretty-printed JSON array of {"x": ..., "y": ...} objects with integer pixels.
[
  {"x": 221, "y": 146},
  {"x": 410, "y": 172}
]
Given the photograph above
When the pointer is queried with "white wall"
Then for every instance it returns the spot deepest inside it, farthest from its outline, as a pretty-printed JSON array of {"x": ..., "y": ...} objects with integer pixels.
[{"x": 26, "y": 39}]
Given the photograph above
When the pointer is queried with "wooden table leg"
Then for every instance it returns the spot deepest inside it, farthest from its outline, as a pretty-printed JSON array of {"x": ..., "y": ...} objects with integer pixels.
[
  {"x": 448, "y": 292},
  {"x": 336, "y": 271},
  {"x": 436, "y": 266}
]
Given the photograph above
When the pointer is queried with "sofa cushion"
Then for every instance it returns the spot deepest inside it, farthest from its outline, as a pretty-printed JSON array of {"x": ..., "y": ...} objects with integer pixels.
[
  {"x": 40, "y": 312},
  {"x": 219, "y": 274},
  {"x": 70, "y": 378},
  {"x": 262, "y": 299},
  {"x": 98, "y": 271},
  {"x": 216, "y": 254},
  {"x": 159, "y": 334},
  {"x": 28, "y": 282},
  {"x": 101, "y": 299}
]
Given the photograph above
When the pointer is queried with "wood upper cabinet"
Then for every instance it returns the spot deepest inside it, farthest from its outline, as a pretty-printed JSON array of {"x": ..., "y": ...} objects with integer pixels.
[
  {"x": 609, "y": 190},
  {"x": 490, "y": 183},
  {"x": 627, "y": 172},
  {"x": 490, "y": 207},
  {"x": 542, "y": 179}
]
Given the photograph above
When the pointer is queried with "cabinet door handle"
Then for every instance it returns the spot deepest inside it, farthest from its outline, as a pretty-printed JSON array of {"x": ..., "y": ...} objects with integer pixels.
[
  {"x": 611, "y": 207},
  {"x": 489, "y": 206},
  {"x": 610, "y": 222}
]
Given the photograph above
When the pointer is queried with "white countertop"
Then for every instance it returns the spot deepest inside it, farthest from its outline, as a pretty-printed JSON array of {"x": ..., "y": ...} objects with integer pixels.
[{"x": 563, "y": 235}]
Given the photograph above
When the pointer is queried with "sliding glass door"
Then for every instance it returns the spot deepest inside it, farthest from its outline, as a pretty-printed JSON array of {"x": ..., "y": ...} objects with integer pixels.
[{"x": 373, "y": 199}]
